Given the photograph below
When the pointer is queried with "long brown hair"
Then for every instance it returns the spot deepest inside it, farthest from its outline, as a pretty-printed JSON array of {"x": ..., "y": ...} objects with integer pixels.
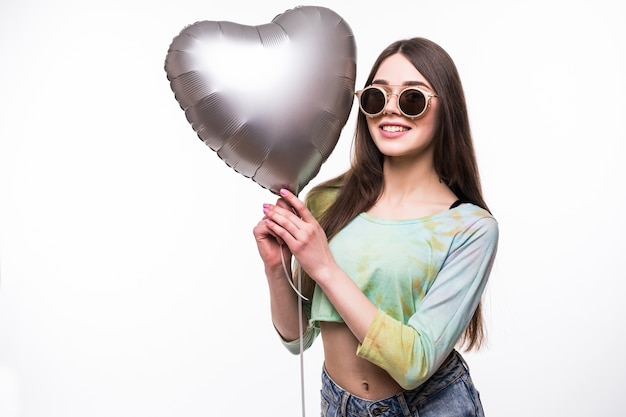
[{"x": 337, "y": 201}]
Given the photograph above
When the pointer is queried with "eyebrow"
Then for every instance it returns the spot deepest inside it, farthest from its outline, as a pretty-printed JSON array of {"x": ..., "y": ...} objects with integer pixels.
[{"x": 406, "y": 83}]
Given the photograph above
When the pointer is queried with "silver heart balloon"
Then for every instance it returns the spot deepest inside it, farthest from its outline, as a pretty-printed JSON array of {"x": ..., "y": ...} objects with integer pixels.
[{"x": 270, "y": 100}]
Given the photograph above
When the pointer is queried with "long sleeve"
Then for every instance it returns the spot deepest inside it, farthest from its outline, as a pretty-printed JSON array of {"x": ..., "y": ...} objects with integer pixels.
[
  {"x": 310, "y": 334},
  {"x": 412, "y": 352}
]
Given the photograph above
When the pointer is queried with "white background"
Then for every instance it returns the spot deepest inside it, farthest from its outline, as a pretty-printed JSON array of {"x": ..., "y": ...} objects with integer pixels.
[{"x": 130, "y": 283}]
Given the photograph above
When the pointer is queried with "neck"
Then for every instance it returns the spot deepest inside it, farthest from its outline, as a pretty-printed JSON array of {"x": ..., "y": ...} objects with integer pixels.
[
  {"x": 408, "y": 176},
  {"x": 410, "y": 181}
]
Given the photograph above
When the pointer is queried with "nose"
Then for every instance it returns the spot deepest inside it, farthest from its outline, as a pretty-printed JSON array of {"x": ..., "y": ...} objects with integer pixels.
[{"x": 391, "y": 107}]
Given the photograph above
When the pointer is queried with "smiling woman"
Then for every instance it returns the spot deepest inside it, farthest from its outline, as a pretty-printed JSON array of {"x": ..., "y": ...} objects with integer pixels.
[{"x": 395, "y": 253}]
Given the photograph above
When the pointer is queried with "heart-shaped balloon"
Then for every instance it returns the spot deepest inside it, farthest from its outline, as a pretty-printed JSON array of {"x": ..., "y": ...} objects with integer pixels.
[{"x": 270, "y": 100}]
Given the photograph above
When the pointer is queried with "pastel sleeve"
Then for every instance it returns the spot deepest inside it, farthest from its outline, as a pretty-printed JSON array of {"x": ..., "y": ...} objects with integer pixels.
[
  {"x": 412, "y": 352},
  {"x": 308, "y": 337}
]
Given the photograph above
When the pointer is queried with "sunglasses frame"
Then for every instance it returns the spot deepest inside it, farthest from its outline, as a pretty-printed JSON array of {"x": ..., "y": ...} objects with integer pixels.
[{"x": 427, "y": 95}]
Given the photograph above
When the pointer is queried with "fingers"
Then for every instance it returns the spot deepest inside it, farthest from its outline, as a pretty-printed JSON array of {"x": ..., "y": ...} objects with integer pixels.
[
  {"x": 300, "y": 208},
  {"x": 284, "y": 211},
  {"x": 289, "y": 219},
  {"x": 276, "y": 216},
  {"x": 262, "y": 231}
]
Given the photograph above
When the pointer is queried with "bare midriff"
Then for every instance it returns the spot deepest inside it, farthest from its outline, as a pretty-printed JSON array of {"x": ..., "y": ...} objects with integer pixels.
[{"x": 352, "y": 373}]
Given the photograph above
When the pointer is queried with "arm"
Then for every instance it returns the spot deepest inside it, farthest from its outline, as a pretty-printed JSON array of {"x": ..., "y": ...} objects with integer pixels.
[
  {"x": 412, "y": 352},
  {"x": 283, "y": 300},
  {"x": 305, "y": 238}
]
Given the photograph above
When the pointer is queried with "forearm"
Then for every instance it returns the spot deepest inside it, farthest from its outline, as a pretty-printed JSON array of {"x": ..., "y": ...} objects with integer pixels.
[
  {"x": 284, "y": 305},
  {"x": 356, "y": 310}
]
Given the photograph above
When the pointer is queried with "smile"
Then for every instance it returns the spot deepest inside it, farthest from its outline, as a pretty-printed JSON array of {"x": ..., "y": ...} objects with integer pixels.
[{"x": 394, "y": 128}]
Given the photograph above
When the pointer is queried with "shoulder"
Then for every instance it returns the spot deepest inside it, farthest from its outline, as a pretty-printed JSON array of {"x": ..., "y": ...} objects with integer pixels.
[
  {"x": 474, "y": 223},
  {"x": 469, "y": 213},
  {"x": 320, "y": 198}
]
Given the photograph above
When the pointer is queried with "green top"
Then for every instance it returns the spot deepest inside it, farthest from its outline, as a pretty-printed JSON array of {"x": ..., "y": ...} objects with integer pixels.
[{"x": 426, "y": 276}]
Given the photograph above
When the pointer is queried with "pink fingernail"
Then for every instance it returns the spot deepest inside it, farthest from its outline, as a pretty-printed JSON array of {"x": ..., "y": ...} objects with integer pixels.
[{"x": 283, "y": 191}]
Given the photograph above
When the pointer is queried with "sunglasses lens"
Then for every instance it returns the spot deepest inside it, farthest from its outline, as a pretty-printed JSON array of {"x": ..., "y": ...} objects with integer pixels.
[
  {"x": 372, "y": 101},
  {"x": 412, "y": 102}
]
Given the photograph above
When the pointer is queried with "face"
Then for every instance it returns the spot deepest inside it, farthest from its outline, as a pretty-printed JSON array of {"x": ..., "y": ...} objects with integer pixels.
[{"x": 395, "y": 134}]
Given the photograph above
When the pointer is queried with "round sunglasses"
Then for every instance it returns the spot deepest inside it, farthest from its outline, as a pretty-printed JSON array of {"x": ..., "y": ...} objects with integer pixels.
[{"x": 412, "y": 101}]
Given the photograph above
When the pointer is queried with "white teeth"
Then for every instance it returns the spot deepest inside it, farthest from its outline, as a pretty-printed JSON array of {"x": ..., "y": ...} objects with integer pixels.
[{"x": 394, "y": 128}]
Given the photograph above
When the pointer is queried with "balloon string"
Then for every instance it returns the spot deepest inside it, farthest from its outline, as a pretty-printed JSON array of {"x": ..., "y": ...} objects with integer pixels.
[
  {"x": 297, "y": 290},
  {"x": 301, "y": 342},
  {"x": 300, "y": 327}
]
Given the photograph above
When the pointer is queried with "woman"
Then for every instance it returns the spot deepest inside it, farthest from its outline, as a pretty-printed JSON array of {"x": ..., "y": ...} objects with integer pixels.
[{"x": 397, "y": 250}]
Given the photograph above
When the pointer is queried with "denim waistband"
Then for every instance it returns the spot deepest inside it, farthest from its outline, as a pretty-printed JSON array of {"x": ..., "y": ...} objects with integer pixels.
[{"x": 402, "y": 403}]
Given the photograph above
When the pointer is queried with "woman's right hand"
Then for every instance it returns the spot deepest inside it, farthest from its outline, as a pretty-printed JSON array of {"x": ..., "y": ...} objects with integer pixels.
[{"x": 270, "y": 245}]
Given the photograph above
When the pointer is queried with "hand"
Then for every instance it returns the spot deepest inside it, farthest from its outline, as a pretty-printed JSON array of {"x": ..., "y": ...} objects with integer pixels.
[
  {"x": 301, "y": 233},
  {"x": 269, "y": 244}
]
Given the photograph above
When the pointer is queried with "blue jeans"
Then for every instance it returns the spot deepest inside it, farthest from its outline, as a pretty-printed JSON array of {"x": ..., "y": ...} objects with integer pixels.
[{"x": 450, "y": 392}]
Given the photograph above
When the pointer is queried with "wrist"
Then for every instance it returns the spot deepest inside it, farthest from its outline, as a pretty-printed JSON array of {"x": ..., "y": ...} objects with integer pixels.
[
  {"x": 276, "y": 272},
  {"x": 327, "y": 274}
]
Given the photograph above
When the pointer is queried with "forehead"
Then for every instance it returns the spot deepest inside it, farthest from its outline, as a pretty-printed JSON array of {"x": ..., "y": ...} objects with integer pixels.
[{"x": 398, "y": 70}]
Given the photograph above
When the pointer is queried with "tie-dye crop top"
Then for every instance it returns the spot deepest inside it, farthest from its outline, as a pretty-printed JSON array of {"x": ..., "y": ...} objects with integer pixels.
[{"x": 426, "y": 276}]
